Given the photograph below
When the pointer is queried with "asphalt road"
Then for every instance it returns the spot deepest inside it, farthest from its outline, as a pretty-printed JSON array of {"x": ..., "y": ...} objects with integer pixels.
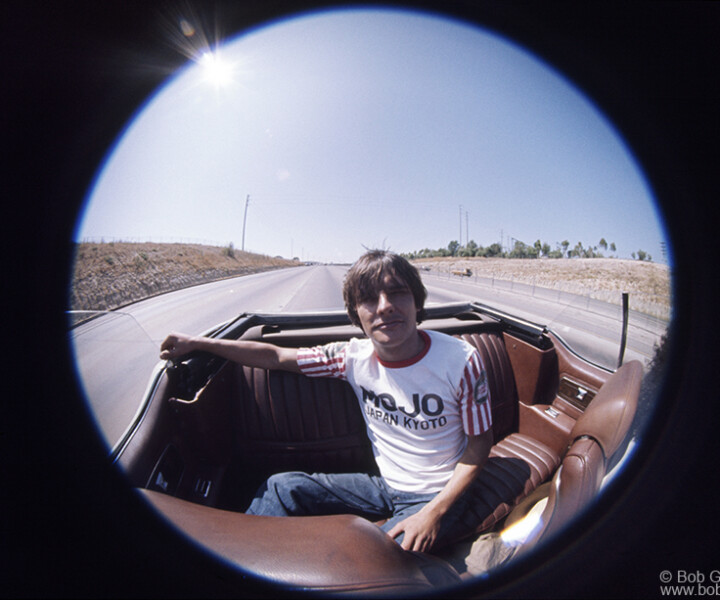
[{"x": 116, "y": 352}]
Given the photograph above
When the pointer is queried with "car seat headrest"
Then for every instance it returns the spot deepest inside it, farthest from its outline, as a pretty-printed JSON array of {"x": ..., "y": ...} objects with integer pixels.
[{"x": 609, "y": 415}]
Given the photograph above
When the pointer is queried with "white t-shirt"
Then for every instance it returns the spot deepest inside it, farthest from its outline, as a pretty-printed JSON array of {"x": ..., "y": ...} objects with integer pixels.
[{"x": 418, "y": 412}]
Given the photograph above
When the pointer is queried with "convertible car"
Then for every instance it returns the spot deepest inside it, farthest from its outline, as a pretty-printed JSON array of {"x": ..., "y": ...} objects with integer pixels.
[{"x": 210, "y": 432}]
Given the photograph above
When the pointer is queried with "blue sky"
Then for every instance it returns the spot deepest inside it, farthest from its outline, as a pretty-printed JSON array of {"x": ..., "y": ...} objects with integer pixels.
[{"x": 368, "y": 128}]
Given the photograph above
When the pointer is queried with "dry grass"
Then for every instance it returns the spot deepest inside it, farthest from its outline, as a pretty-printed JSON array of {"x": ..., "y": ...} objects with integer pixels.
[
  {"x": 649, "y": 284},
  {"x": 107, "y": 276}
]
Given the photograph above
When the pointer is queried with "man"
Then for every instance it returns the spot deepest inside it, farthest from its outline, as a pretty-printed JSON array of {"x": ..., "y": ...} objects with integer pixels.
[{"x": 424, "y": 398}]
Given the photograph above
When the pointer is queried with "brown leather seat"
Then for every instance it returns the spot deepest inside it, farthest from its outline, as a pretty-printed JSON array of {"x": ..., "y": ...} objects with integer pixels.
[
  {"x": 338, "y": 554},
  {"x": 596, "y": 436}
]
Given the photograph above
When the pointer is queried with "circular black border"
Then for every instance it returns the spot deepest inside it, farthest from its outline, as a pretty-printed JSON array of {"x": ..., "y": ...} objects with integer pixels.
[{"x": 74, "y": 72}]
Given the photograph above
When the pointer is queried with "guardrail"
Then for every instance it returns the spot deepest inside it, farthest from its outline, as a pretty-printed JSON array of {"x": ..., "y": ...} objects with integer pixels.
[{"x": 648, "y": 306}]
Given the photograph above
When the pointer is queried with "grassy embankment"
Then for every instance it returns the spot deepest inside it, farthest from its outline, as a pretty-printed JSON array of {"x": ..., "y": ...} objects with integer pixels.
[
  {"x": 648, "y": 284},
  {"x": 110, "y": 275}
]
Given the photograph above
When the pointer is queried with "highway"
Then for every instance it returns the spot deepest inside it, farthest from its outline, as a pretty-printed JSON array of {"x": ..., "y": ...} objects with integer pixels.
[{"x": 116, "y": 352}]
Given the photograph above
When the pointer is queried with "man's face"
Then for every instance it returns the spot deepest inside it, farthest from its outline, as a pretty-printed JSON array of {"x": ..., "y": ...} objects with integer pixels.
[{"x": 389, "y": 319}]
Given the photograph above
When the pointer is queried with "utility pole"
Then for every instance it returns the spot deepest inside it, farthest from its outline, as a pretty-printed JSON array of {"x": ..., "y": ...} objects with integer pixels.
[
  {"x": 460, "y": 240},
  {"x": 247, "y": 201}
]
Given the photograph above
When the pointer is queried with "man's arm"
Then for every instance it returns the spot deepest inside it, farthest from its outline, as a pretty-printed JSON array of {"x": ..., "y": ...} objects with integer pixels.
[
  {"x": 252, "y": 354},
  {"x": 421, "y": 529}
]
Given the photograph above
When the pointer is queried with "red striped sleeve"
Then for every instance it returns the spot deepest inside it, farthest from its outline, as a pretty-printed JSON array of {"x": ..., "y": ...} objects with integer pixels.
[
  {"x": 323, "y": 361},
  {"x": 475, "y": 397}
]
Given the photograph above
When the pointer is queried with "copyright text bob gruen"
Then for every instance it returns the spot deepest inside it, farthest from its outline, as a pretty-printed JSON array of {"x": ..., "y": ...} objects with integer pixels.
[{"x": 683, "y": 583}]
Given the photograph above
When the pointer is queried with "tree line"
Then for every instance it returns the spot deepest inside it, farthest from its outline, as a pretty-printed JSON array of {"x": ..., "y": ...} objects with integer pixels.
[{"x": 521, "y": 250}]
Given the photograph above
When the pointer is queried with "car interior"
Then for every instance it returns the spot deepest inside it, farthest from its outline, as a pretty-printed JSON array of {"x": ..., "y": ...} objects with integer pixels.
[{"x": 212, "y": 431}]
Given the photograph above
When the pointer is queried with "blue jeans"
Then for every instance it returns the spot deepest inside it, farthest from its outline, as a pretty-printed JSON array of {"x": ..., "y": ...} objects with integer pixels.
[{"x": 299, "y": 494}]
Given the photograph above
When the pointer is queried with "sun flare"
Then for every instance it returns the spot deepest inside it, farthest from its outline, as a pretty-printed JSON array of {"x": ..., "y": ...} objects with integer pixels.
[{"x": 216, "y": 71}]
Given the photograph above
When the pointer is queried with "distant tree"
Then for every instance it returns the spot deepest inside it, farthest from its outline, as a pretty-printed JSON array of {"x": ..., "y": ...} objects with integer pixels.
[
  {"x": 522, "y": 250},
  {"x": 578, "y": 251},
  {"x": 565, "y": 245},
  {"x": 538, "y": 248},
  {"x": 519, "y": 250},
  {"x": 494, "y": 250},
  {"x": 469, "y": 249}
]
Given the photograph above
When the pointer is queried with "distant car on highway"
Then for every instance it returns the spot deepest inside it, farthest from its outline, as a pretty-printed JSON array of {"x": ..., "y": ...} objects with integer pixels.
[
  {"x": 209, "y": 432},
  {"x": 462, "y": 272}
]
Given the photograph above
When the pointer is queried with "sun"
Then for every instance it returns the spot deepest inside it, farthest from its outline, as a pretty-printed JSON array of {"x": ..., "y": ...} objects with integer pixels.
[{"x": 216, "y": 70}]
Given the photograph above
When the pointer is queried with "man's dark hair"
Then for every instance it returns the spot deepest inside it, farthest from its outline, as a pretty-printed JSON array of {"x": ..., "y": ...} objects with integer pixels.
[{"x": 364, "y": 281}]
